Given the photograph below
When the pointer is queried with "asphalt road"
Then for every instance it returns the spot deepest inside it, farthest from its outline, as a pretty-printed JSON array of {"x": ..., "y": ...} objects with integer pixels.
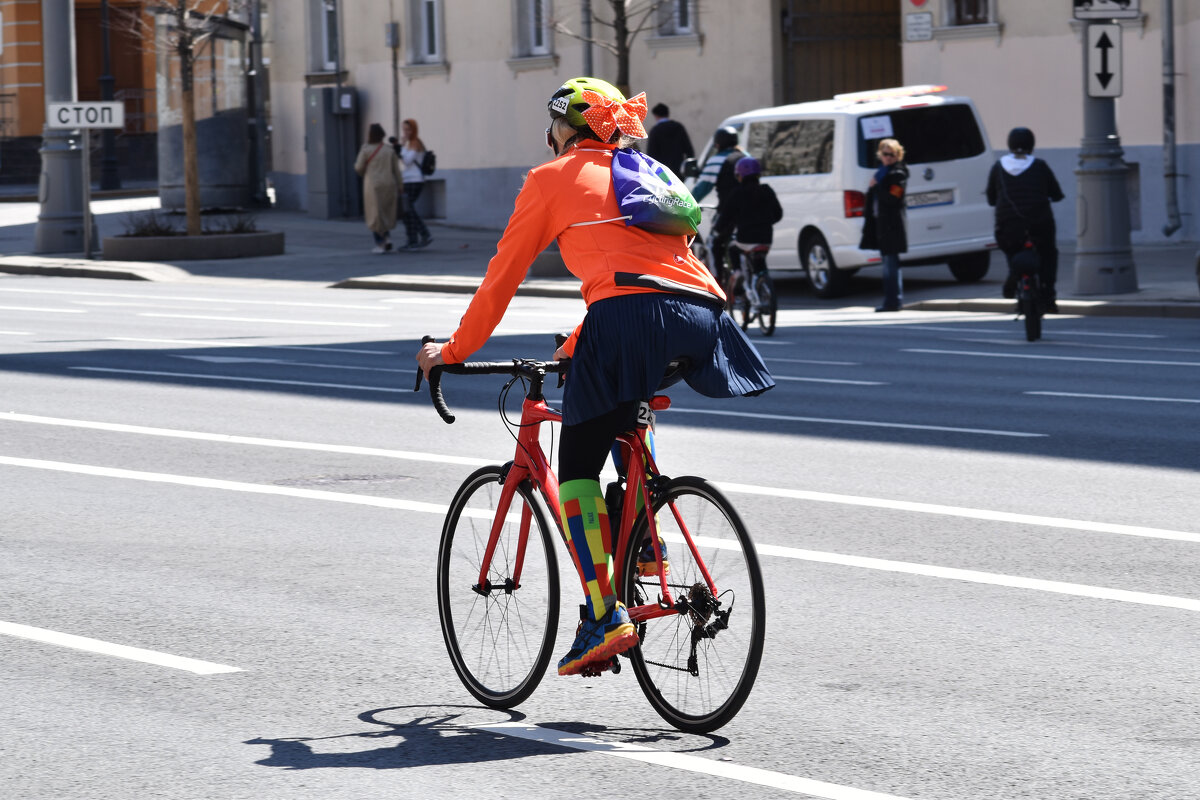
[{"x": 980, "y": 556}]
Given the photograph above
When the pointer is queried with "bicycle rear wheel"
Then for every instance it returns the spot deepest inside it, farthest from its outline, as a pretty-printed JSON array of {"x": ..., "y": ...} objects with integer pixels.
[
  {"x": 1031, "y": 308},
  {"x": 499, "y": 635},
  {"x": 697, "y": 667},
  {"x": 768, "y": 304}
]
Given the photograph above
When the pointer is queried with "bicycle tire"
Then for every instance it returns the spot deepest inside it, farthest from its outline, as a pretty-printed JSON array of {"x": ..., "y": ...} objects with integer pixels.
[
  {"x": 499, "y": 641},
  {"x": 1031, "y": 310},
  {"x": 726, "y": 665},
  {"x": 768, "y": 304}
]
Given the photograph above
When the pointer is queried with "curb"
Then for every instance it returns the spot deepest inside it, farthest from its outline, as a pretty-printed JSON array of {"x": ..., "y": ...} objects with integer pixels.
[
  {"x": 1083, "y": 308},
  {"x": 83, "y": 268}
]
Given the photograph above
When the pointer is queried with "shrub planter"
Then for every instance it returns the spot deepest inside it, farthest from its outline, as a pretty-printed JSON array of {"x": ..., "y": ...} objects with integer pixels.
[{"x": 193, "y": 248}]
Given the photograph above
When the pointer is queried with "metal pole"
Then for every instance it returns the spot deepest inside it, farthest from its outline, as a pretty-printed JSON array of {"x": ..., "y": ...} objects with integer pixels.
[
  {"x": 586, "y": 14},
  {"x": 60, "y": 219},
  {"x": 88, "y": 221},
  {"x": 1169, "y": 174},
  {"x": 259, "y": 82},
  {"x": 1103, "y": 254},
  {"x": 109, "y": 177}
]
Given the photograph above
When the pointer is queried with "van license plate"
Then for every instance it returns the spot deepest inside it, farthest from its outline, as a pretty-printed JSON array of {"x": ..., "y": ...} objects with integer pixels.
[{"x": 944, "y": 197}]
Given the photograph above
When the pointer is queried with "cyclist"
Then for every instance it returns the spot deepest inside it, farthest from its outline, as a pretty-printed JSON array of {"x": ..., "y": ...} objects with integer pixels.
[
  {"x": 1022, "y": 187},
  {"x": 750, "y": 214},
  {"x": 718, "y": 172},
  {"x": 649, "y": 301}
]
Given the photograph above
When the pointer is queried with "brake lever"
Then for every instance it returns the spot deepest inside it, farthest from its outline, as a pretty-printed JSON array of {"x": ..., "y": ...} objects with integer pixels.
[{"x": 559, "y": 340}]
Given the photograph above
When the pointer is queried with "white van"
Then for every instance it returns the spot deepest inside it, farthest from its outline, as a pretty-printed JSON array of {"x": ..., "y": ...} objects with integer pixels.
[{"x": 819, "y": 158}]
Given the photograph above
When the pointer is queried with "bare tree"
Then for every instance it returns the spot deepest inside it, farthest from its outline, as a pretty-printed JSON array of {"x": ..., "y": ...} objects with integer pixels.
[
  {"x": 628, "y": 19},
  {"x": 190, "y": 30}
]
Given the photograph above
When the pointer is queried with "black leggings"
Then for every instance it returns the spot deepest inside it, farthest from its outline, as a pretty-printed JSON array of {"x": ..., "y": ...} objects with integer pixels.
[{"x": 584, "y": 447}]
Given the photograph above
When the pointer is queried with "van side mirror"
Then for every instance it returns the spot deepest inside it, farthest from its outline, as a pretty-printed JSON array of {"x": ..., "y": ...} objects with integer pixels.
[{"x": 691, "y": 168}]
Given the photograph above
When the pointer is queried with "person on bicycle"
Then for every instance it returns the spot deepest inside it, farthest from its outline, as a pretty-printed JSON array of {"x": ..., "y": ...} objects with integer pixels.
[
  {"x": 1022, "y": 188},
  {"x": 718, "y": 173},
  {"x": 649, "y": 302},
  {"x": 750, "y": 216}
]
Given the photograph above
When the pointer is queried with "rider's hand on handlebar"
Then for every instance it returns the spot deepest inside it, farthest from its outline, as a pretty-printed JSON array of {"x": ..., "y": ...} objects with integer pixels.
[{"x": 429, "y": 356}]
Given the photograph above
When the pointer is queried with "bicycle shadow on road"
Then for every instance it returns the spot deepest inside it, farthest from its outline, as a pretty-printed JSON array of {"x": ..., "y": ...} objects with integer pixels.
[{"x": 439, "y": 735}]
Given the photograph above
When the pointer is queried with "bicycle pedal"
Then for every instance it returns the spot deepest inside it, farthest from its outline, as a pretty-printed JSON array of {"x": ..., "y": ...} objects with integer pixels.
[{"x": 598, "y": 668}]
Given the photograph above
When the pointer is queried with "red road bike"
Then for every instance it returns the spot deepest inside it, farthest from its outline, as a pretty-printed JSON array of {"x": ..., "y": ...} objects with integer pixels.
[{"x": 700, "y": 610}]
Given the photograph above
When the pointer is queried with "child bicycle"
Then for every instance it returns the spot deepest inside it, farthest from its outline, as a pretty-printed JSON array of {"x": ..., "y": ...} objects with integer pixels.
[
  {"x": 698, "y": 608},
  {"x": 750, "y": 289}
]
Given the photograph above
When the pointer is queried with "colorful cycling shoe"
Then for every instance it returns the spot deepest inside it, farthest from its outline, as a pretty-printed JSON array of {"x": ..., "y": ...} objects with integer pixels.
[
  {"x": 647, "y": 565},
  {"x": 599, "y": 640}
]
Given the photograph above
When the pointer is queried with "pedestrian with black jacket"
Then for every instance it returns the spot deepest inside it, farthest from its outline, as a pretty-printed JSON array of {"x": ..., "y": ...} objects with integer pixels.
[
  {"x": 668, "y": 142},
  {"x": 884, "y": 219},
  {"x": 1022, "y": 188}
]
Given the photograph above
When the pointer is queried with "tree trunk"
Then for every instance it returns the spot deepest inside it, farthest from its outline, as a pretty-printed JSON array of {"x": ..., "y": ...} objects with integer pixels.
[
  {"x": 191, "y": 165},
  {"x": 621, "y": 40}
]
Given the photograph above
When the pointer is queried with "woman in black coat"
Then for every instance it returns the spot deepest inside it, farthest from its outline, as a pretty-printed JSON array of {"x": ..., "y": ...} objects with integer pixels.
[{"x": 884, "y": 225}]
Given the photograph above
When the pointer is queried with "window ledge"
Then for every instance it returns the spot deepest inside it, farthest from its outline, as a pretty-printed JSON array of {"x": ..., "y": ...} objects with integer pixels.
[
  {"x": 323, "y": 78},
  {"x": 675, "y": 41},
  {"x": 528, "y": 63},
  {"x": 412, "y": 71},
  {"x": 969, "y": 31}
]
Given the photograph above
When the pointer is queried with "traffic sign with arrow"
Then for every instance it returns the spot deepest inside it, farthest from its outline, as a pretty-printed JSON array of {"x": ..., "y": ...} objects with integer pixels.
[{"x": 1104, "y": 60}]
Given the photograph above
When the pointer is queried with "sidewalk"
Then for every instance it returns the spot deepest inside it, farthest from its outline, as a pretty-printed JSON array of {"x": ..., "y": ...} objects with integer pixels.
[{"x": 337, "y": 253}]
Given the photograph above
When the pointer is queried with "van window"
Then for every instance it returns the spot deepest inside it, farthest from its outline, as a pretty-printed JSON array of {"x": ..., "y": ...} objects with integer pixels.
[
  {"x": 928, "y": 134},
  {"x": 792, "y": 146}
]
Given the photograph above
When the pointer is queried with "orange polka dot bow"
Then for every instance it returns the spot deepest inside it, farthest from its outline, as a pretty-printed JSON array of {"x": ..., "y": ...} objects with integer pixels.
[{"x": 605, "y": 115}]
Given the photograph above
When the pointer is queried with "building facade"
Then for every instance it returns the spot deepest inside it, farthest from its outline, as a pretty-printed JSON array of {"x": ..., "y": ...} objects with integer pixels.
[{"x": 476, "y": 76}]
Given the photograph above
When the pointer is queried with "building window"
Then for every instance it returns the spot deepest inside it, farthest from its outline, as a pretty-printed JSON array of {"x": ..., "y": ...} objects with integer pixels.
[
  {"x": 677, "y": 18},
  {"x": 532, "y": 26},
  {"x": 327, "y": 55},
  {"x": 426, "y": 26},
  {"x": 968, "y": 12}
]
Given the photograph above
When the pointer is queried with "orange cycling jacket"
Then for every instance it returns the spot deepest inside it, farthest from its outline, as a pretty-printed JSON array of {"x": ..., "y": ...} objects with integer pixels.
[{"x": 571, "y": 199}]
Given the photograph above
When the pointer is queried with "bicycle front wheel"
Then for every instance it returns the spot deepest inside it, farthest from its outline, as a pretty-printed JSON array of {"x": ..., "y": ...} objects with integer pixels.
[
  {"x": 768, "y": 304},
  {"x": 499, "y": 633},
  {"x": 697, "y": 666}
]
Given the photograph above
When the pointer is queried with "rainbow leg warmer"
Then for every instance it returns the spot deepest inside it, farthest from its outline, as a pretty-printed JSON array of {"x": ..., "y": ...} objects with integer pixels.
[{"x": 589, "y": 537}]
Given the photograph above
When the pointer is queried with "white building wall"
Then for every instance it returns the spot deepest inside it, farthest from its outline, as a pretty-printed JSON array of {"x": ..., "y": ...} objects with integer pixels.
[
  {"x": 484, "y": 114},
  {"x": 1031, "y": 73}
]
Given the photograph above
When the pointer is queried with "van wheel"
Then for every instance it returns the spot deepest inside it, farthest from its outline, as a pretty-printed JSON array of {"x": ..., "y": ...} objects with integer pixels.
[
  {"x": 823, "y": 275},
  {"x": 971, "y": 267}
]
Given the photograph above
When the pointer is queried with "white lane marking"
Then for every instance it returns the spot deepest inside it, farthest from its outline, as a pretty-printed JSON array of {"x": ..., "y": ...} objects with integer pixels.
[
  {"x": 968, "y": 575},
  {"x": 288, "y": 362},
  {"x": 1057, "y": 332},
  {"x": 983, "y": 354},
  {"x": 271, "y": 321},
  {"x": 738, "y": 488},
  {"x": 283, "y": 303},
  {"x": 210, "y": 343},
  {"x": 237, "y": 379},
  {"x": 44, "y": 310},
  {"x": 15, "y": 333},
  {"x": 812, "y": 361},
  {"x": 856, "y": 422},
  {"x": 961, "y": 512},
  {"x": 286, "y": 444},
  {"x": 927, "y": 570},
  {"x": 828, "y": 380},
  {"x": 684, "y": 761},
  {"x": 118, "y": 650},
  {"x": 1116, "y": 397}
]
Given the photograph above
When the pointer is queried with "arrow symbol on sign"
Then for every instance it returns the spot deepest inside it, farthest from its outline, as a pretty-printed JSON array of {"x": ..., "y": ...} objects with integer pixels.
[{"x": 1104, "y": 76}]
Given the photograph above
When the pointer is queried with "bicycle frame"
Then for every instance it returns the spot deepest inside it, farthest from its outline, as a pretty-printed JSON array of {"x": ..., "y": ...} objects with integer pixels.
[{"x": 530, "y": 463}]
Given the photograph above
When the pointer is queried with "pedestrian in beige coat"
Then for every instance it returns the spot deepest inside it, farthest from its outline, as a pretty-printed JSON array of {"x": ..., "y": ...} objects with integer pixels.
[{"x": 380, "y": 169}]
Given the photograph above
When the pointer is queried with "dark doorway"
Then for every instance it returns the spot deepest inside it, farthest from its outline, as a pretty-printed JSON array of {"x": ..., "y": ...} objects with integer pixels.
[{"x": 834, "y": 46}]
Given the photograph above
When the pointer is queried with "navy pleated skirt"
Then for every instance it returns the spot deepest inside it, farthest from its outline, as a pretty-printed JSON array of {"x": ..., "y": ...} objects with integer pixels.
[{"x": 627, "y": 342}]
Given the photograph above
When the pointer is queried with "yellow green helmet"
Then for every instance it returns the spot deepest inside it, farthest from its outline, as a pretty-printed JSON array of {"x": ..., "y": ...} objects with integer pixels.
[{"x": 568, "y": 100}]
